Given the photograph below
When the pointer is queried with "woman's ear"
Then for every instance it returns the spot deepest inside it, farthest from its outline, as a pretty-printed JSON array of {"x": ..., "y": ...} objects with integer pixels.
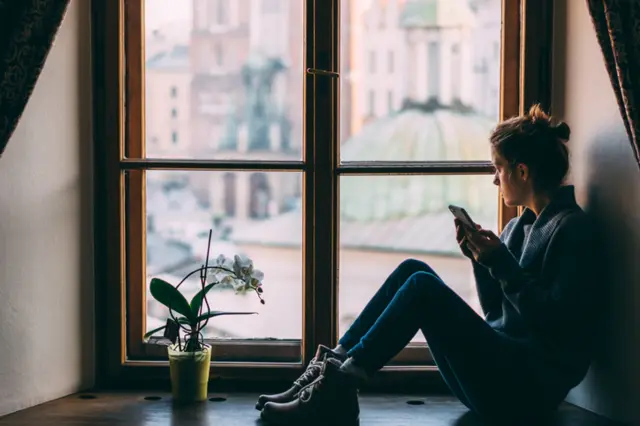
[{"x": 523, "y": 172}]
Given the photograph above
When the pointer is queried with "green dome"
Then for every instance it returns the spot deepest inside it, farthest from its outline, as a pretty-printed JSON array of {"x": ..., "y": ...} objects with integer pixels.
[
  {"x": 414, "y": 135},
  {"x": 419, "y": 14}
]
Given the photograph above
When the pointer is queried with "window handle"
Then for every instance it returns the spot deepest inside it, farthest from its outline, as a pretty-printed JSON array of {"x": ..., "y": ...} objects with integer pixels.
[{"x": 327, "y": 73}]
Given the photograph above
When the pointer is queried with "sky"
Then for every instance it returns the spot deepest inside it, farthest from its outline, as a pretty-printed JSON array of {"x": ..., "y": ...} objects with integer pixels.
[{"x": 159, "y": 12}]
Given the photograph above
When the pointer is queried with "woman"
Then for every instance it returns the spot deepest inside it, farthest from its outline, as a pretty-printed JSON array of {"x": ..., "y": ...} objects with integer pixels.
[{"x": 536, "y": 288}]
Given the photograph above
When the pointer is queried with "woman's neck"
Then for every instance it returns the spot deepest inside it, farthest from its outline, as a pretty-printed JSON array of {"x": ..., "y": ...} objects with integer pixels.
[{"x": 538, "y": 202}]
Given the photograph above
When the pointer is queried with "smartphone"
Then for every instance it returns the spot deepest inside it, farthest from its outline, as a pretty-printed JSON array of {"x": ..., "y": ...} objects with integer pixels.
[{"x": 462, "y": 215}]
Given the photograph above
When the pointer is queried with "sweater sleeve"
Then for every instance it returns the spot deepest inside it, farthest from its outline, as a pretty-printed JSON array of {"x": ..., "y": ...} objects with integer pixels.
[
  {"x": 489, "y": 292},
  {"x": 561, "y": 296}
]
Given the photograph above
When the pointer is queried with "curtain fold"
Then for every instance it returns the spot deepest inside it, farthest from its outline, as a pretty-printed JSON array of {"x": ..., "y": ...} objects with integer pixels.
[
  {"x": 617, "y": 26},
  {"x": 27, "y": 30}
]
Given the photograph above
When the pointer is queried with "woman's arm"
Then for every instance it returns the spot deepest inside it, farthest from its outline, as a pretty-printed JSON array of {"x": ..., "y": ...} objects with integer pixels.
[{"x": 489, "y": 292}]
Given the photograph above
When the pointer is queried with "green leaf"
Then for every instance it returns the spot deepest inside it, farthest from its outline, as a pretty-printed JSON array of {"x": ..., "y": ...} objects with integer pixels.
[
  {"x": 183, "y": 320},
  {"x": 196, "y": 302},
  {"x": 152, "y": 332},
  {"x": 170, "y": 297},
  {"x": 214, "y": 314}
]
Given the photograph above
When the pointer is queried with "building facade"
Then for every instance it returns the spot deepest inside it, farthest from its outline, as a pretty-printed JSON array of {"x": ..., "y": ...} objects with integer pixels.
[{"x": 247, "y": 100}]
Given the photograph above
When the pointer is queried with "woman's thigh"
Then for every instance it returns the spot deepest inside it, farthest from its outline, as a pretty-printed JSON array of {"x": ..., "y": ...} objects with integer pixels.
[{"x": 486, "y": 365}]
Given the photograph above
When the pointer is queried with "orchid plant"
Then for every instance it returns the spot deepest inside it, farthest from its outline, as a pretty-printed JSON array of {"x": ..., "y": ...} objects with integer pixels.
[{"x": 237, "y": 273}]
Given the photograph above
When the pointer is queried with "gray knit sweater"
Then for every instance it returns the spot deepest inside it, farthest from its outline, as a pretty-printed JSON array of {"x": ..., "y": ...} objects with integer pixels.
[{"x": 539, "y": 287}]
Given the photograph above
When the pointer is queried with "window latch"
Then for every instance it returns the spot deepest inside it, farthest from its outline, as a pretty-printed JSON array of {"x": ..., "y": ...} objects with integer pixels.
[{"x": 327, "y": 73}]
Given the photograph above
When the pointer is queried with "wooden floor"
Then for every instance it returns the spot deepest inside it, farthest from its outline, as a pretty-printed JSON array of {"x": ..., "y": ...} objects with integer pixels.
[{"x": 237, "y": 409}]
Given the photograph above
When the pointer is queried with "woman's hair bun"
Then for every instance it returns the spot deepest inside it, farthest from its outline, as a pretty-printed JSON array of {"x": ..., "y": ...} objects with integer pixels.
[{"x": 562, "y": 130}]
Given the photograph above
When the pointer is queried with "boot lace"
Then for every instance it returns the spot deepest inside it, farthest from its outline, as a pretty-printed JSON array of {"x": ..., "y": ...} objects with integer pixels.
[
  {"x": 306, "y": 393},
  {"x": 312, "y": 371}
]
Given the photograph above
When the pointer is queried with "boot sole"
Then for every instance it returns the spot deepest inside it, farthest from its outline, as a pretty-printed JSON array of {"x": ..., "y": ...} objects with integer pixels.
[{"x": 259, "y": 406}]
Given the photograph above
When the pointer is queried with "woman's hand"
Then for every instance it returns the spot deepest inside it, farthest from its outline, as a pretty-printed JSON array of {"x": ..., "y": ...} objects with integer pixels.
[
  {"x": 460, "y": 238},
  {"x": 482, "y": 244}
]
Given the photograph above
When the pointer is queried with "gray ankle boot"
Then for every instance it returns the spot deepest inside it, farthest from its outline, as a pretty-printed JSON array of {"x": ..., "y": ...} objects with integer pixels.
[
  {"x": 331, "y": 399},
  {"x": 312, "y": 372}
]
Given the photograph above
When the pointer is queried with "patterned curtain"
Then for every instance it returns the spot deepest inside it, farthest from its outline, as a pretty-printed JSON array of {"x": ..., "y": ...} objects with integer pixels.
[
  {"x": 27, "y": 29},
  {"x": 617, "y": 25}
]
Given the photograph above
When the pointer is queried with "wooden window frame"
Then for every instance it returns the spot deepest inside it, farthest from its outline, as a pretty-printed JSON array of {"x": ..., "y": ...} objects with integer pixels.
[{"x": 123, "y": 360}]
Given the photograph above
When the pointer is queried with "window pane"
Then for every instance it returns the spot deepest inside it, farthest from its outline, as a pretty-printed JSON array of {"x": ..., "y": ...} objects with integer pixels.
[
  {"x": 253, "y": 213},
  {"x": 442, "y": 75},
  {"x": 387, "y": 219},
  {"x": 239, "y": 93}
]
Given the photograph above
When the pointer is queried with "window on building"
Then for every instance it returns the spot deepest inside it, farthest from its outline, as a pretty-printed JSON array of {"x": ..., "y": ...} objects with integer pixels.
[
  {"x": 433, "y": 67},
  {"x": 391, "y": 62},
  {"x": 222, "y": 12},
  {"x": 326, "y": 227},
  {"x": 219, "y": 55},
  {"x": 230, "y": 191},
  {"x": 372, "y": 102},
  {"x": 390, "y": 106},
  {"x": 174, "y": 113},
  {"x": 456, "y": 72}
]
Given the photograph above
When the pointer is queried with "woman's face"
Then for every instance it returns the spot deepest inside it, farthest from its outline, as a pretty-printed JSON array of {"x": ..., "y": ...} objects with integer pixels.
[{"x": 511, "y": 179}]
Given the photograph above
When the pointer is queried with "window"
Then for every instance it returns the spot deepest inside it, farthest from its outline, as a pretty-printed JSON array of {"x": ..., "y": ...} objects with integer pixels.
[
  {"x": 456, "y": 72},
  {"x": 222, "y": 12},
  {"x": 219, "y": 55},
  {"x": 174, "y": 138},
  {"x": 377, "y": 190},
  {"x": 390, "y": 106},
  {"x": 390, "y": 62},
  {"x": 230, "y": 191},
  {"x": 174, "y": 113},
  {"x": 372, "y": 103},
  {"x": 433, "y": 73}
]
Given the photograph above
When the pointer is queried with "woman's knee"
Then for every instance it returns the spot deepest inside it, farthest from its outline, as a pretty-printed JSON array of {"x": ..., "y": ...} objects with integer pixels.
[
  {"x": 411, "y": 266},
  {"x": 425, "y": 282}
]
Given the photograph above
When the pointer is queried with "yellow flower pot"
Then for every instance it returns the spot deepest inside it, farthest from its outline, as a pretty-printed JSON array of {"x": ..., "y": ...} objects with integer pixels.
[{"x": 189, "y": 374}]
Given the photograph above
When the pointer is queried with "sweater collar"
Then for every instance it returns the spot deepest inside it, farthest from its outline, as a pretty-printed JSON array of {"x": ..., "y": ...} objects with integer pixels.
[{"x": 543, "y": 226}]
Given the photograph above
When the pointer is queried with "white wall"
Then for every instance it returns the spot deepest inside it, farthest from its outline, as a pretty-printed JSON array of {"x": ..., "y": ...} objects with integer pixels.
[
  {"x": 607, "y": 179},
  {"x": 46, "y": 276}
]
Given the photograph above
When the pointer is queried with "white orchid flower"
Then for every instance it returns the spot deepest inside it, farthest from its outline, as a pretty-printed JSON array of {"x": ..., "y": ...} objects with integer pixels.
[
  {"x": 242, "y": 266},
  {"x": 228, "y": 280},
  {"x": 223, "y": 261},
  {"x": 239, "y": 286},
  {"x": 256, "y": 278},
  {"x": 223, "y": 267}
]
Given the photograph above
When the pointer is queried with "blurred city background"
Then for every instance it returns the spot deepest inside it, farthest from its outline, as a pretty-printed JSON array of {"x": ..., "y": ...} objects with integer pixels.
[{"x": 224, "y": 80}]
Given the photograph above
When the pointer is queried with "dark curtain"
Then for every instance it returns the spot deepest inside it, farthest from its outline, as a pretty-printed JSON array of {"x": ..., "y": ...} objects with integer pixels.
[
  {"x": 27, "y": 30},
  {"x": 617, "y": 25}
]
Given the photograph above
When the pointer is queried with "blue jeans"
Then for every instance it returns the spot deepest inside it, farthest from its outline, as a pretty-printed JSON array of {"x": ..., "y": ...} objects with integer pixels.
[{"x": 491, "y": 373}]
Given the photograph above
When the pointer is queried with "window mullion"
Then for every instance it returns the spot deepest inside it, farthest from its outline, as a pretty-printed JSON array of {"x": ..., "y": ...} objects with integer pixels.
[{"x": 321, "y": 185}]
